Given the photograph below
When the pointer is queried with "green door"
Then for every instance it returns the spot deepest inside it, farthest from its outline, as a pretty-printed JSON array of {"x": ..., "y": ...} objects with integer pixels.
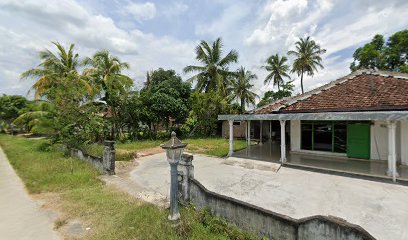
[{"x": 358, "y": 140}]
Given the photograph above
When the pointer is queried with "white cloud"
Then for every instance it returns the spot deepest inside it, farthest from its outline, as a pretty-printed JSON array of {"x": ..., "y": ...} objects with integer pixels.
[
  {"x": 174, "y": 9},
  {"x": 142, "y": 11},
  {"x": 26, "y": 32}
]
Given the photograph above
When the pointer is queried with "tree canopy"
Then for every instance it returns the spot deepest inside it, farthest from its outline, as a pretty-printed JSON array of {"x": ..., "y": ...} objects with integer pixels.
[{"x": 378, "y": 54}]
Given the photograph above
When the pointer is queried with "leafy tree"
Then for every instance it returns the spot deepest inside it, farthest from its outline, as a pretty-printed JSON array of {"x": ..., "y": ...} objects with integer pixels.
[
  {"x": 11, "y": 107},
  {"x": 205, "y": 110},
  {"x": 38, "y": 118},
  {"x": 391, "y": 56},
  {"x": 105, "y": 71},
  {"x": 278, "y": 69},
  {"x": 270, "y": 96},
  {"x": 167, "y": 97},
  {"x": 56, "y": 69},
  {"x": 213, "y": 74},
  {"x": 307, "y": 58},
  {"x": 241, "y": 88}
]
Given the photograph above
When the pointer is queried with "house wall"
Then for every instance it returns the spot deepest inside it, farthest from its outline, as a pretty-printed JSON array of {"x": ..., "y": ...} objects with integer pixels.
[
  {"x": 379, "y": 141},
  {"x": 239, "y": 131},
  {"x": 404, "y": 142},
  {"x": 295, "y": 135}
]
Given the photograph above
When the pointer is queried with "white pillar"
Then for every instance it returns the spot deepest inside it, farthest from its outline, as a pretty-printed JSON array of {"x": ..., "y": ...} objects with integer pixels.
[
  {"x": 249, "y": 132},
  {"x": 260, "y": 132},
  {"x": 392, "y": 153},
  {"x": 231, "y": 137},
  {"x": 283, "y": 141},
  {"x": 270, "y": 130}
]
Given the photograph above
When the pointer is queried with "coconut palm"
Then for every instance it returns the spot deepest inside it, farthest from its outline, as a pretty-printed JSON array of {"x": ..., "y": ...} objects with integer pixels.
[
  {"x": 213, "y": 74},
  {"x": 105, "y": 71},
  {"x": 278, "y": 69},
  {"x": 308, "y": 58},
  {"x": 241, "y": 87},
  {"x": 55, "y": 70}
]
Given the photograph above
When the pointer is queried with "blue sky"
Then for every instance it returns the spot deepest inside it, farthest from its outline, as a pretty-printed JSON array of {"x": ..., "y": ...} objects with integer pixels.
[{"x": 152, "y": 34}]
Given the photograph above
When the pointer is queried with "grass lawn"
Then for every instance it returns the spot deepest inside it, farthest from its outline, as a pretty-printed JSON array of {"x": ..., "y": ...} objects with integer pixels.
[
  {"x": 109, "y": 213},
  {"x": 218, "y": 147}
]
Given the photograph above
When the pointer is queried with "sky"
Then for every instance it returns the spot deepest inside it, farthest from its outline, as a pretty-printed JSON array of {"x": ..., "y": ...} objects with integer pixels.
[{"x": 164, "y": 33}]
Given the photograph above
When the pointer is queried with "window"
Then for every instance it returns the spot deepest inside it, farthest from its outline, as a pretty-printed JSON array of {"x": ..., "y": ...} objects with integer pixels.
[
  {"x": 237, "y": 123},
  {"x": 330, "y": 136}
]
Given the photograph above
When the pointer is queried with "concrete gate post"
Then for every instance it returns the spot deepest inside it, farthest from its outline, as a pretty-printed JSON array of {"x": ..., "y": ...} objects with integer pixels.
[
  {"x": 185, "y": 172},
  {"x": 109, "y": 157}
]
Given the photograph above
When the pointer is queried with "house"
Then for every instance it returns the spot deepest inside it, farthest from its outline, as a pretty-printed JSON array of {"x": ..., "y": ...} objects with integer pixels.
[{"x": 362, "y": 116}]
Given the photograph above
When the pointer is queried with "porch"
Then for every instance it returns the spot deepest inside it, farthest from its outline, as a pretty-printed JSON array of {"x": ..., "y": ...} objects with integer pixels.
[
  {"x": 270, "y": 152},
  {"x": 339, "y": 142}
]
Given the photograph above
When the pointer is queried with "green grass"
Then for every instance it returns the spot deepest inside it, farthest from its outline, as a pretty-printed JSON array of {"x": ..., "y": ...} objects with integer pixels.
[
  {"x": 213, "y": 146},
  {"x": 109, "y": 213},
  {"x": 218, "y": 147}
]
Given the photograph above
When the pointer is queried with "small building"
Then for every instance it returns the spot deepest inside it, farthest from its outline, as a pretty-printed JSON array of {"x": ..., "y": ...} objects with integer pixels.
[{"x": 362, "y": 116}]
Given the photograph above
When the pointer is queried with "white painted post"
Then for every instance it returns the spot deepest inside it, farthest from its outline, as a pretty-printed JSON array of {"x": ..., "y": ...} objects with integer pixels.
[
  {"x": 283, "y": 141},
  {"x": 270, "y": 130},
  {"x": 231, "y": 137},
  {"x": 249, "y": 132},
  {"x": 260, "y": 132},
  {"x": 392, "y": 156}
]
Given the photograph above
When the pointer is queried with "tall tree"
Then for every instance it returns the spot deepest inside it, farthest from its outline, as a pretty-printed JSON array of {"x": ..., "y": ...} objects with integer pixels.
[
  {"x": 213, "y": 74},
  {"x": 391, "y": 56},
  {"x": 241, "y": 88},
  {"x": 278, "y": 69},
  {"x": 105, "y": 71},
  {"x": 56, "y": 69},
  {"x": 307, "y": 58}
]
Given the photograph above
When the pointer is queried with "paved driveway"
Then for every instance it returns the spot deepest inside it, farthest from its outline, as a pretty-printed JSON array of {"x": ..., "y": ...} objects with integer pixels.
[
  {"x": 20, "y": 216},
  {"x": 380, "y": 208}
]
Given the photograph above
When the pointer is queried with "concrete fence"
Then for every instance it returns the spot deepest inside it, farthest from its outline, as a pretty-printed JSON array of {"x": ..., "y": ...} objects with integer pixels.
[
  {"x": 105, "y": 164},
  {"x": 261, "y": 221}
]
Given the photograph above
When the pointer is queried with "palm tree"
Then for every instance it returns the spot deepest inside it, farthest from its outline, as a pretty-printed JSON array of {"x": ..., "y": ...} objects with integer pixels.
[
  {"x": 308, "y": 58},
  {"x": 213, "y": 75},
  {"x": 277, "y": 68},
  {"x": 241, "y": 87},
  {"x": 105, "y": 71},
  {"x": 56, "y": 69}
]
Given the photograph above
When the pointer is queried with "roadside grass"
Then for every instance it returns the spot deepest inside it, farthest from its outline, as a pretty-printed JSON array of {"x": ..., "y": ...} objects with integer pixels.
[
  {"x": 218, "y": 147},
  {"x": 110, "y": 214}
]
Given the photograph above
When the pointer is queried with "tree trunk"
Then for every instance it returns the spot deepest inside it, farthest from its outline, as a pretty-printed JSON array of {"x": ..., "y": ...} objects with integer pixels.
[
  {"x": 242, "y": 105},
  {"x": 278, "y": 87},
  {"x": 301, "y": 81}
]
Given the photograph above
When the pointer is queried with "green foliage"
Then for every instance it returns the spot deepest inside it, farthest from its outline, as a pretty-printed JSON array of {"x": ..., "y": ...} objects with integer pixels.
[
  {"x": 214, "y": 74},
  {"x": 377, "y": 54},
  {"x": 278, "y": 69},
  {"x": 270, "y": 96},
  {"x": 165, "y": 98},
  {"x": 206, "y": 107},
  {"x": 105, "y": 73},
  {"x": 11, "y": 107},
  {"x": 241, "y": 88},
  {"x": 307, "y": 58}
]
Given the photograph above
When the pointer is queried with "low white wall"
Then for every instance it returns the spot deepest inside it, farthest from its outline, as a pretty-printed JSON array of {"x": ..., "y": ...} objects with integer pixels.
[
  {"x": 404, "y": 142},
  {"x": 295, "y": 135}
]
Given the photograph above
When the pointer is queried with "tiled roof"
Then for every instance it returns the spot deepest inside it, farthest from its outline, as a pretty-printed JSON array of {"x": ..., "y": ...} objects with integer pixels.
[{"x": 359, "y": 91}]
